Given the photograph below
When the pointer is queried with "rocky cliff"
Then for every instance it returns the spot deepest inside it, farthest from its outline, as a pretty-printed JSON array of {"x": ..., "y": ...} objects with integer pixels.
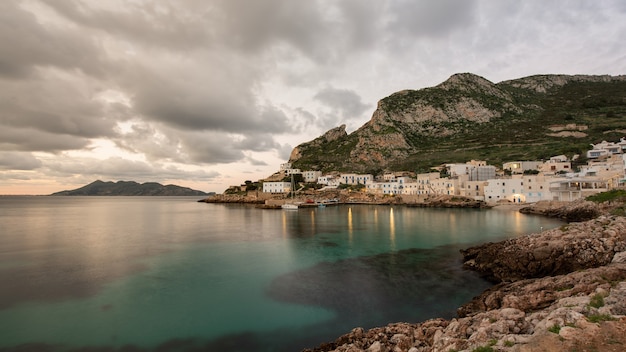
[{"x": 469, "y": 117}]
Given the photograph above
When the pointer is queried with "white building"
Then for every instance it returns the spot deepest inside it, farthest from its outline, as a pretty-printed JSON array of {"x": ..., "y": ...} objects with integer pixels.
[
  {"x": 518, "y": 167},
  {"x": 471, "y": 189},
  {"x": 356, "y": 179},
  {"x": 311, "y": 176},
  {"x": 537, "y": 187},
  {"x": 445, "y": 186},
  {"x": 576, "y": 188},
  {"x": 276, "y": 187},
  {"x": 477, "y": 170},
  {"x": 509, "y": 189},
  {"x": 329, "y": 180},
  {"x": 605, "y": 148},
  {"x": 424, "y": 182},
  {"x": 554, "y": 166},
  {"x": 293, "y": 171}
]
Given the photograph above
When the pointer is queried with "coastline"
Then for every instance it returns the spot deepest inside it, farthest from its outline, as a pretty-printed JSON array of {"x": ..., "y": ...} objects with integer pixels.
[{"x": 560, "y": 289}]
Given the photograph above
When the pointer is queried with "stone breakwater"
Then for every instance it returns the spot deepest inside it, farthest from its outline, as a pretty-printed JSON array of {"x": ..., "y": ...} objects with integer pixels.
[{"x": 558, "y": 290}]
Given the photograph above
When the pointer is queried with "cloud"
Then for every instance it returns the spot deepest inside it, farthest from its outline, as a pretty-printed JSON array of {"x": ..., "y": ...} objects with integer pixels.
[
  {"x": 117, "y": 168},
  {"x": 30, "y": 139},
  {"x": 55, "y": 103},
  {"x": 342, "y": 104},
  {"x": 34, "y": 45},
  {"x": 18, "y": 161},
  {"x": 418, "y": 19},
  {"x": 230, "y": 84}
]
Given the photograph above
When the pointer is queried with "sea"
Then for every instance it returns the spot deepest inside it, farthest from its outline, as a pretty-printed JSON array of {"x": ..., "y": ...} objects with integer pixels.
[{"x": 173, "y": 274}]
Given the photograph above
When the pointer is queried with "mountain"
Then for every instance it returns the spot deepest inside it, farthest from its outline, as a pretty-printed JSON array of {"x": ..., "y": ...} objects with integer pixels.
[
  {"x": 130, "y": 188},
  {"x": 468, "y": 117}
]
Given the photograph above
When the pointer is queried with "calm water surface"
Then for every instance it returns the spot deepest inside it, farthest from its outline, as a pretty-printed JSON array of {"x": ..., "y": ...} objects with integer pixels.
[{"x": 115, "y": 273}]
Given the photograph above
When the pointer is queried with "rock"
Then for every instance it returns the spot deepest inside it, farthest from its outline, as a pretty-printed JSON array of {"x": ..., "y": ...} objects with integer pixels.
[
  {"x": 541, "y": 302},
  {"x": 619, "y": 257},
  {"x": 376, "y": 347},
  {"x": 573, "y": 247},
  {"x": 580, "y": 210}
]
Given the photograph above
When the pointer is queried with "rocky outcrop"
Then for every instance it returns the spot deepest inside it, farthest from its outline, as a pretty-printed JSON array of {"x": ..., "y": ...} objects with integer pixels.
[
  {"x": 558, "y": 251},
  {"x": 444, "y": 201},
  {"x": 522, "y": 320},
  {"x": 534, "y": 294},
  {"x": 232, "y": 198},
  {"x": 580, "y": 210},
  {"x": 331, "y": 135},
  {"x": 559, "y": 290}
]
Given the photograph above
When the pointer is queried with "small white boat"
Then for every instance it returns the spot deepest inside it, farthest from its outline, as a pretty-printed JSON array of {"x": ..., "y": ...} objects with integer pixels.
[{"x": 289, "y": 206}]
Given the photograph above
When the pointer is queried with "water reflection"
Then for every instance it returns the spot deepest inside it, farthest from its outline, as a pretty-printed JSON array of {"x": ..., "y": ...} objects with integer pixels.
[
  {"x": 392, "y": 229},
  {"x": 189, "y": 269}
]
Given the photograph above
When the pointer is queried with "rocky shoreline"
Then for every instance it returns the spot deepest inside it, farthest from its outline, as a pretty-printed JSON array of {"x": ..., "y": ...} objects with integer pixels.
[
  {"x": 273, "y": 201},
  {"x": 561, "y": 289}
]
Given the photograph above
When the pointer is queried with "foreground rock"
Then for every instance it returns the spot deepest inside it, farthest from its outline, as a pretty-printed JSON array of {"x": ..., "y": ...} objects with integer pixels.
[
  {"x": 560, "y": 290},
  {"x": 569, "y": 211},
  {"x": 558, "y": 251},
  {"x": 581, "y": 309}
]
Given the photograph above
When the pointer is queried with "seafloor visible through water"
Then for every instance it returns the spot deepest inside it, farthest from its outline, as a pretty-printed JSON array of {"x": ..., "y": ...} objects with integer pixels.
[{"x": 171, "y": 274}]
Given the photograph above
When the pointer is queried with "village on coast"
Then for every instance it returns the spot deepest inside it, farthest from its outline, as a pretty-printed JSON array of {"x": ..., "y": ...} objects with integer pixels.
[{"x": 560, "y": 178}]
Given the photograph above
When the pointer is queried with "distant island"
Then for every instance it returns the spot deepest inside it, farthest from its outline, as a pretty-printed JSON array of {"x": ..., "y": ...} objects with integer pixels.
[{"x": 130, "y": 188}]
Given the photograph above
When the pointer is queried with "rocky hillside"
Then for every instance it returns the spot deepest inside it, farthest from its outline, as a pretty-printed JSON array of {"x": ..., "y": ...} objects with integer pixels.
[
  {"x": 130, "y": 188},
  {"x": 468, "y": 117}
]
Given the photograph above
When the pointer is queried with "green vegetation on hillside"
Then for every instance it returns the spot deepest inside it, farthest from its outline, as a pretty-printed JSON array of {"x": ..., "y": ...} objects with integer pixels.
[{"x": 580, "y": 113}]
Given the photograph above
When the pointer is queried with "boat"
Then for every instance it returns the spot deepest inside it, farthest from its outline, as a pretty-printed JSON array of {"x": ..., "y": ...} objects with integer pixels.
[
  {"x": 292, "y": 205},
  {"x": 289, "y": 206}
]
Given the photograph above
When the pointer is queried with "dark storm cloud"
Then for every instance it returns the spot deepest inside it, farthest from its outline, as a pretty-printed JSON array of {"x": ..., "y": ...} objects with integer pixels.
[
  {"x": 344, "y": 103},
  {"x": 209, "y": 100},
  {"x": 177, "y": 26},
  {"x": 200, "y": 82},
  {"x": 29, "y": 139},
  {"x": 55, "y": 105},
  {"x": 415, "y": 19},
  {"x": 210, "y": 148},
  {"x": 28, "y": 45},
  {"x": 253, "y": 25},
  {"x": 18, "y": 161}
]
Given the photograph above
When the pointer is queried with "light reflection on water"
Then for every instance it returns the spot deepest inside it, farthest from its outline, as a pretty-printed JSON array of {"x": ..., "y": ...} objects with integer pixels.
[{"x": 109, "y": 271}]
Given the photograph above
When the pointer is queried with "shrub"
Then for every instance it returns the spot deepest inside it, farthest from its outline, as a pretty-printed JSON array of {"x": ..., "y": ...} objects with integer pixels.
[
  {"x": 597, "y": 301},
  {"x": 596, "y": 318},
  {"x": 483, "y": 349},
  {"x": 556, "y": 328},
  {"x": 615, "y": 194}
]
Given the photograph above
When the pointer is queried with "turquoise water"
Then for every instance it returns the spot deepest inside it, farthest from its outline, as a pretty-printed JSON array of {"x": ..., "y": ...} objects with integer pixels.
[{"x": 170, "y": 273}]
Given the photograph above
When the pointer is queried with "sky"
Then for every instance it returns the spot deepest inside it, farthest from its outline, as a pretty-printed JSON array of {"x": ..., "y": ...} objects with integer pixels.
[{"x": 211, "y": 93}]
